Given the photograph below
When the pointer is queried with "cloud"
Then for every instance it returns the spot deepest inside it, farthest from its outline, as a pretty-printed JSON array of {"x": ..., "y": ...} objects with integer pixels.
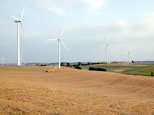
[
  {"x": 4, "y": 30},
  {"x": 50, "y": 6},
  {"x": 2, "y": 23},
  {"x": 149, "y": 19},
  {"x": 119, "y": 31},
  {"x": 60, "y": 7},
  {"x": 88, "y": 4},
  {"x": 94, "y": 4},
  {"x": 149, "y": 15}
]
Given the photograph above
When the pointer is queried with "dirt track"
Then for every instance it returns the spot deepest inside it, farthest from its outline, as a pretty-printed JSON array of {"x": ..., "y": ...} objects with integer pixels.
[{"x": 31, "y": 90}]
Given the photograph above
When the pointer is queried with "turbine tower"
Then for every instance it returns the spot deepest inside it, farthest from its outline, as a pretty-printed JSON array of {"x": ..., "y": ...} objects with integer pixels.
[
  {"x": 59, "y": 40},
  {"x": 18, "y": 37},
  {"x": 107, "y": 45},
  {"x": 2, "y": 59},
  {"x": 129, "y": 53}
]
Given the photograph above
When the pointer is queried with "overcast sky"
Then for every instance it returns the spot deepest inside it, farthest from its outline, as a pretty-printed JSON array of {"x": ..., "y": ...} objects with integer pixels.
[{"x": 88, "y": 24}]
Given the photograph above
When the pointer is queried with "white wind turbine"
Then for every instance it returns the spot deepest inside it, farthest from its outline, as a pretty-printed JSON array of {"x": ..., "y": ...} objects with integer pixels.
[
  {"x": 59, "y": 40},
  {"x": 129, "y": 53},
  {"x": 18, "y": 39},
  {"x": 2, "y": 59},
  {"x": 107, "y": 45}
]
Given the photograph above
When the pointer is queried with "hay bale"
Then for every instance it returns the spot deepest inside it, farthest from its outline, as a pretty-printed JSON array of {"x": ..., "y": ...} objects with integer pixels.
[{"x": 51, "y": 70}]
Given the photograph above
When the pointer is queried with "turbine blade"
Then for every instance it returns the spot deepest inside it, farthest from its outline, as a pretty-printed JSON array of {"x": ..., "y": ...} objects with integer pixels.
[
  {"x": 103, "y": 45},
  {"x": 131, "y": 55},
  {"x": 63, "y": 44},
  {"x": 22, "y": 13},
  {"x": 51, "y": 39},
  {"x": 23, "y": 31},
  {"x": 62, "y": 32},
  {"x": 110, "y": 48},
  {"x": 15, "y": 17}
]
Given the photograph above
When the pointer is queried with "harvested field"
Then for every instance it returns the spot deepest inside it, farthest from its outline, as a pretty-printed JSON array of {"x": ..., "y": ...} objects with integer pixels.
[{"x": 32, "y": 90}]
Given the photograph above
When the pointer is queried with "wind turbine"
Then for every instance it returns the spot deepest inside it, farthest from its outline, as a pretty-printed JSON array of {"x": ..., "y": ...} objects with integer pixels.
[
  {"x": 3, "y": 59},
  {"x": 59, "y": 40},
  {"x": 18, "y": 39},
  {"x": 107, "y": 45},
  {"x": 129, "y": 53},
  {"x": 21, "y": 59}
]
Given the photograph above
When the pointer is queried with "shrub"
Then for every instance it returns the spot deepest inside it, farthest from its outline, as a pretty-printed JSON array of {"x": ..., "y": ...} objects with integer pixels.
[
  {"x": 62, "y": 63},
  {"x": 43, "y": 65},
  {"x": 68, "y": 64},
  {"x": 79, "y": 63},
  {"x": 97, "y": 69},
  {"x": 151, "y": 73},
  {"x": 78, "y": 67},
  {"x": 133, "y": 61},
  {"x": 75, "y": 65}
]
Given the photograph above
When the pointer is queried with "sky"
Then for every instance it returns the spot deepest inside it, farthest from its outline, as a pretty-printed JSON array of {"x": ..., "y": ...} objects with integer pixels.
[{"x": 88, "y": 24}]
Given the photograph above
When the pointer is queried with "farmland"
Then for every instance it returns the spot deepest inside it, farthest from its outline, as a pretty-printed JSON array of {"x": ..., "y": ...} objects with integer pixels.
[
  {"x": 142, "y": 71},
  {"x": 31, "y": 90},
  {"x": 126, "y": 68}
]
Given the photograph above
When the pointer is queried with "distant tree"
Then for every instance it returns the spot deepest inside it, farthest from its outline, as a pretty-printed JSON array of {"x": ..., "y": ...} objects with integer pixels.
[
  {"x": 43, "y": 65},
  {"x": 97, "y": 69},
  {"x": 133, "y": 61},
  {"x": 75, "y": 65},
  {"x": 79, "y": 63},
  {"x": 151, "y": 73},
  {"x": 62, "y": 63},
  {"x": 78, "y": 67},
  {"x": 68, "y": 64}
]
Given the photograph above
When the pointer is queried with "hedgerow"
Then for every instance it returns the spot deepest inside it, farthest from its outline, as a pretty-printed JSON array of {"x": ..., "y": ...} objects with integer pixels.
[{"x": 97, "y": 69}]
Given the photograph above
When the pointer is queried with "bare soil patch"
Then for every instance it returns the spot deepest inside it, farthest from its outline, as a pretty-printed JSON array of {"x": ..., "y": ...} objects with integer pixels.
[{"x": 121, "y": 70}]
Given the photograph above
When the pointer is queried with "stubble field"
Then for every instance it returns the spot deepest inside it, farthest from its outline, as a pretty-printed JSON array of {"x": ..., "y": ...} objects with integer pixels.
[{"x": 31, "y": 90}]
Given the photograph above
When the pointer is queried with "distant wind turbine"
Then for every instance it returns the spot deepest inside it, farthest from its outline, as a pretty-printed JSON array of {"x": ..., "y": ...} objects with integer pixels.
[
  {"x": 2, "y": 59},
  {"x": 21, "y": 59},
  {"x": 129, "y": 53},
  {"x": 107, "y": 45},
  {"x": 18, "y": 38},
  {"x": 59, "y": 40}
]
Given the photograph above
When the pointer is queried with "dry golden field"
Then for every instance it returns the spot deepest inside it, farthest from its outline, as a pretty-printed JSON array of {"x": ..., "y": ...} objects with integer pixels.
[{"x": 31, "y": 90}]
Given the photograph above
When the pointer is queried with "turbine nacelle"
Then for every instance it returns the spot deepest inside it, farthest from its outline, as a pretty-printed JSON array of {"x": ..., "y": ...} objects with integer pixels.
[{"x": 17, "y": 21}]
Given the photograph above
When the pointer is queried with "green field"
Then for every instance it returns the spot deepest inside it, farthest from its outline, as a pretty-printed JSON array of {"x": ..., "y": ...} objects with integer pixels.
[
  {"x": 142, "y": 71},
  {"x": 130, "y": 68}
]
